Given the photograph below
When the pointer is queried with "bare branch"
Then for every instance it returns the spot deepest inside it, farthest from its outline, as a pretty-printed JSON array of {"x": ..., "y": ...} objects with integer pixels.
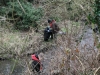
[{"x": 21, "y": 7}]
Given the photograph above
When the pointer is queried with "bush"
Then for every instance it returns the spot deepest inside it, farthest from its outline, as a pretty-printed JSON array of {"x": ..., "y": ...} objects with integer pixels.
[
  {"x": 24, "y": 16},
  {"x": 95, "y": 18}
]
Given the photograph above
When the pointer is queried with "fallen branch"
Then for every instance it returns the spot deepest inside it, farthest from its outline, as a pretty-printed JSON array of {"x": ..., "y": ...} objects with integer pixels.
[
  {"x": 2, "y": 18},
  {"x": 21, "y": 7},
  {"x": 97, "y": 71}
]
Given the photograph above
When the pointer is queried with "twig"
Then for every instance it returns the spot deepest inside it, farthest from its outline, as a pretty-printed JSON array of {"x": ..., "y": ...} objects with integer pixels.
[
  {"x": 13, "y": 67},
  {"x": 2, "y": 18},
  {"x": 96, "y": 71},
  {"x": 28, "y": 67},
  {"x": 21, "y": 6},
  {"x": 80, "y": 62}
]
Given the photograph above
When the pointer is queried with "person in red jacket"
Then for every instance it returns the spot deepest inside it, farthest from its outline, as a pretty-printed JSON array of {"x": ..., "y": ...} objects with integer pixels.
[
  {"x": 36, "y": 64},
  {"x": 54, "y": 27},
  {"x": 51, "y": 31}
]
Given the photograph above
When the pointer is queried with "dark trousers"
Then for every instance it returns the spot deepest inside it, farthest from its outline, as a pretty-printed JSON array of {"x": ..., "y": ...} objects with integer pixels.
[
  {"x": 95, "y": 29},
  {"x": 36, "y": 66}
]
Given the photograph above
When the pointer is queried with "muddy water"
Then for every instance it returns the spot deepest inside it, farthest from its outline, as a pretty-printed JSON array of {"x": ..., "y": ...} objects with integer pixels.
[{"x": 9, "y": 67}]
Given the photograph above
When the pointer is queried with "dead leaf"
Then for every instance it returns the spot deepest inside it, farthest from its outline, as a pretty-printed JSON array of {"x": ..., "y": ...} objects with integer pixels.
[{"x": 77, "y": 51}]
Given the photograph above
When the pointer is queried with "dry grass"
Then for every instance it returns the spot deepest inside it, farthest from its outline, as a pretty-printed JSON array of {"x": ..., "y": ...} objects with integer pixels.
[
  {"x": 70, "y": 58},
  {"x": 16, "y": 42}
]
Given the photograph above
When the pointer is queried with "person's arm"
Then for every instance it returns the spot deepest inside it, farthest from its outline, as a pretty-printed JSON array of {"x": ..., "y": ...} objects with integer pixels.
[{"x": 55, "y": 27}]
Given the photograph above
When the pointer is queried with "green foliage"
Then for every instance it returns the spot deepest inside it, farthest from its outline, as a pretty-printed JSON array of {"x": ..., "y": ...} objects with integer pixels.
[
  {"x": 90, "y": 72},
  {"x": 98, "y": 46},
  {"x": 91, "y": 18},
  {"x": 27, "y": 14},
  {"x": 96, "y": 17},
  {"x": 55, "y": 18}
]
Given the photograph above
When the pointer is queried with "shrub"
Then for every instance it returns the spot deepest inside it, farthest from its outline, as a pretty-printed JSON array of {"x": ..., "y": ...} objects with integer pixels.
[
  {"x": 95, "y": 17},
  {"x": 24, "y": 15}
]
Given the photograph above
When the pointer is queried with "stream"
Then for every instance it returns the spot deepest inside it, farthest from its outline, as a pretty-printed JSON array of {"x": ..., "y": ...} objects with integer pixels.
[
  {"x": 7, "y": 68},
  {"x": 48, "y": 57}
]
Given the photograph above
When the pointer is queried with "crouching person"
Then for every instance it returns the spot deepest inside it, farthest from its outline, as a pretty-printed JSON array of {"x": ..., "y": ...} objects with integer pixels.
[
  {"x": 51, "y": 31},
  {"x": 48, "y": 34},
  {"x": 54, "y": 26},
  {"x": 36, "y": 64}
]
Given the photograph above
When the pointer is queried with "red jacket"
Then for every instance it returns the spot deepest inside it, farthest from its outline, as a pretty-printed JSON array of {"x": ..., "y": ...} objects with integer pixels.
[
  {"x": 34, "y": 58},
  {"x": 51, "y": 24}
]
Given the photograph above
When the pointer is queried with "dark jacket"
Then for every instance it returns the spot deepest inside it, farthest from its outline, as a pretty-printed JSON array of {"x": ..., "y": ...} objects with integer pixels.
[{"x": 36, "y": 63}]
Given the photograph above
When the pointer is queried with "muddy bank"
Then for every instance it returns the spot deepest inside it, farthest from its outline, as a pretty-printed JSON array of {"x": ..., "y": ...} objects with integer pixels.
[{"x": 11, "y": 67}]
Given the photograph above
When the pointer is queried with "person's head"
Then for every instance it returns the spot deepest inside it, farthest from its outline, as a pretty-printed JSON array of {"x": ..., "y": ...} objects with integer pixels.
[
  {"x": 36, "y": 55},
  {"x": 49, "y": 20}
]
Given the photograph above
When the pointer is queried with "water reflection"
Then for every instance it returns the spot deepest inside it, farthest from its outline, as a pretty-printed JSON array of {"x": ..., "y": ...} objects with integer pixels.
[{"x": 7, "y": 66}]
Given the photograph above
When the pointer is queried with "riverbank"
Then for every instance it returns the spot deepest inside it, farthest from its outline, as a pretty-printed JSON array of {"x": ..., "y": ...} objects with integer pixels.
[{"x": 71, "y": 53}]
